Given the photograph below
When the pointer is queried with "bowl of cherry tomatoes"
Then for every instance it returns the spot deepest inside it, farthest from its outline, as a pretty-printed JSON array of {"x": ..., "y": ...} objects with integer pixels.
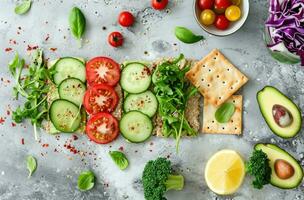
[{"x": 221, "y": 17}]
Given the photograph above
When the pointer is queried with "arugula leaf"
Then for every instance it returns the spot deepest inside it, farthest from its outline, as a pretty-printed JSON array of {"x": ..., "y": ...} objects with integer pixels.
[
  {"x": 24, "y": 7},
  {"x": 86, "y": 181},
  {"x": 224, "y": 112},
  {"x": 31, "y": 165},
  {"x": 172, "y": 92},
  {"x": 33, "y": 87},
  {"x": 120, "y": 159}
]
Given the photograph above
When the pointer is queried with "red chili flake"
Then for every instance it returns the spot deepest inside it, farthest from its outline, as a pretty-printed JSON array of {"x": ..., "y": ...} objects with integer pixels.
[
  {"x": 30, "y": 48},
  {"x": 22, "y": 141},
  {"x": 8, "y": 49},
  {"x": 47, "y": 37},
  {"x": 53, "y": 49},
  {"x": 45, "y": 145},
  {"x": 75, "y": 137},
  {"x": 121, "y": 148},
  {"x": 2, "y": 120},
  {"x": 13, "y": 124},
  {"x": 18, "y": 32},
  {"x": 8, "y": 112}
]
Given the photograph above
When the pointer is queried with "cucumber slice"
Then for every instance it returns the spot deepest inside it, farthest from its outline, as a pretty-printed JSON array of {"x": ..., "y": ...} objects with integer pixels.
[
  {"x": 72, "y": 89},
  {"x": 135, "y": 78},
  {"x": 69, "y": 67},
  {"x": 65, "y": 115},
  {"x": 135, "y": 126},
  {"x": 145, "y": 102}
]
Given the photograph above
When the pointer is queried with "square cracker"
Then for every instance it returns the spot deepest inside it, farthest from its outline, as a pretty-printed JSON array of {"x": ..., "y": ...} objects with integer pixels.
[
  {"x": 234, "y": 126},
  {"x": 216, "y": 78}
]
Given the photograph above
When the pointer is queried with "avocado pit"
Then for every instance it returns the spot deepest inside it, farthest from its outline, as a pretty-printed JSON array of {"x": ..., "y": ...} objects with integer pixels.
[
  {"x": 283, "y": 169},
  {"x": 281, "y": 115}
]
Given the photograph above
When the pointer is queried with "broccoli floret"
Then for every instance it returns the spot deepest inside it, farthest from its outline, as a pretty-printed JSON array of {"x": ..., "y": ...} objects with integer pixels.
[{"x": 157, "y": 178}]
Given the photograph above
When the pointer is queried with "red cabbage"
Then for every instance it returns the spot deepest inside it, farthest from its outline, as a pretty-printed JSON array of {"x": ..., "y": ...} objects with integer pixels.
[{"x": 285, "y": 25}]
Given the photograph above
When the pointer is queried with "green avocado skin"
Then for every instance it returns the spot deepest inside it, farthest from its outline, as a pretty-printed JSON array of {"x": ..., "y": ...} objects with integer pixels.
[
  {"x": 260, "y": 103},
  {"x": 291, "y": 160}
]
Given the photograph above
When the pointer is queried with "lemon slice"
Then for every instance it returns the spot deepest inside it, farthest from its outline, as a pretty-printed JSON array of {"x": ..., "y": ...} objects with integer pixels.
[{"x": 224, "y": 172}]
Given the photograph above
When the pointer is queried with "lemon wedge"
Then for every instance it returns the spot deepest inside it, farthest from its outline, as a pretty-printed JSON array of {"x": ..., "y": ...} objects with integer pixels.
[{"x": 224, "y": 172}]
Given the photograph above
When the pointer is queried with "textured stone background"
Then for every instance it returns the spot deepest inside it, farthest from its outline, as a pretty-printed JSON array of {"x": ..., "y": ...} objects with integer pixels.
[{"x": 151, "y": 37}]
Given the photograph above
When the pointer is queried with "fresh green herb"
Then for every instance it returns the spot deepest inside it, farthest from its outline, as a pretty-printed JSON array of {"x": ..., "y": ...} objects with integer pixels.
[
  {"x": 33, "y": 87},
  {"x": 224, "y": 112},
  {"x": 258, "y": 166},
  {"x": 120, "y": 159},
  {"x": 186, "y": 36},
  {"x": 77, "y": 23},
  {"x": 157, "y": 179},
  {"x": 86, "y": 181},
  {"x": 24, "y": 7},
  {"x": 31, "y": 165},
  {"x": 173, "y": 92}
]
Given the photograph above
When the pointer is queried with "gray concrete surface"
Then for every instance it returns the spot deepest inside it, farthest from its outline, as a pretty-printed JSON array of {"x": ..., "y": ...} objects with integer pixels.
[{"x": 151, "y": 37}]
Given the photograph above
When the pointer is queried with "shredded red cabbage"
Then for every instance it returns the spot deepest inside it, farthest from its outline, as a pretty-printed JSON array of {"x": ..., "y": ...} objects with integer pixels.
[{"x": 286, "y": 25}]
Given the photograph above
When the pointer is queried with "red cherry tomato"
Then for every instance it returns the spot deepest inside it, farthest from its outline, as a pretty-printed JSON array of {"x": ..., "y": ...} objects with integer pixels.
[
  {"x": 102, "y": 128},
  {"x": 126, "y": 19},
  {"x": 115, "y": 39},
  {"x": 159, "y": 4},
  {"x": 221, "y": 22},
  {"x": 222, "y": 4},
  {"x": 100, "y": 98},
  {"x": 102, "y": 70},
  {"x": 205, "y": 4}
]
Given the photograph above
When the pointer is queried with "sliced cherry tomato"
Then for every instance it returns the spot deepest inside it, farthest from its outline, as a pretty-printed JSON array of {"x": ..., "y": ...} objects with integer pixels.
[
  {"x": 126, "y": 19},
  {"x": 221, "y": 22},
  {"x": 205, "y": 4},
  {"x": 233, "y": 13},
  {"x": 207, "y": 17},
  {"x": 222, "y": 4},
  {"x": 159, "y": 4},
  {"x": 100, "y": 98},
  {"x": 102, "y": 70},
  {"x": 102, "y": 128},
  {"x": 115, "y": 39}
]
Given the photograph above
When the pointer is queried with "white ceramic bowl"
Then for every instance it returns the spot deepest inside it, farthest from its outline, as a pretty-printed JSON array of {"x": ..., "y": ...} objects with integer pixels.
[{"x": 233, "y": 27}]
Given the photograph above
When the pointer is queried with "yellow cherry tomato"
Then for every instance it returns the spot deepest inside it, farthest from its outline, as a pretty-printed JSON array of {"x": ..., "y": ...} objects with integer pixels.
[
  {"x": 207, "y": 17},
  {"x": 236, "y": 2},
  {"x": 233, "y": 13}
]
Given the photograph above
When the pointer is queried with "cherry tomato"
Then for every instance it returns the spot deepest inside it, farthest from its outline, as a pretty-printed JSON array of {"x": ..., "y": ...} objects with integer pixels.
[
  {"x": 102, "y": 128},
  {"x": 115, "y": 39},
  {"x": 102, "y": 70},
  {"x": 236, "y": 2},
  {"x": 159, "y": 4},
  {"x": 233, "y": 13},
  {"x": 207, "y": 17},
  {"x": 126, "y": 19},
  {"x": 205, "y": 4},
  {"x": 100, "y": 98},
  {"x": 222, "y": 4},
  {"x": 221, "y": 22},
  {"x": 219, "y": 11}
]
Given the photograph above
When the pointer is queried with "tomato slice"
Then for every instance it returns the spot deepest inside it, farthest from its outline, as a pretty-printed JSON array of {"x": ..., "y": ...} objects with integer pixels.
[
  {"x": 102, "y": 70},
  {"x": 100, "y": 98},
  {"x": 102, "y": 128}
]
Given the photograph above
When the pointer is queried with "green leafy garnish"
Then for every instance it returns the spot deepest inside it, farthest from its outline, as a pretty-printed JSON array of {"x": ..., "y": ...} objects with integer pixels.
[
  {"x": 24, "y": 7},
  {"x": 33, "y": 87},
  {"x": 186, "y": 36},
  {"x": 173, "y": 92},
  {"x": 31, "y": 165},
  {"x": 120, "y": 159},
  {"x": 86, "y": 181},
  {"x": 77, "y": 23},
  {"x": 258, "y": 166},
  {"x": 224, "y": 112}
]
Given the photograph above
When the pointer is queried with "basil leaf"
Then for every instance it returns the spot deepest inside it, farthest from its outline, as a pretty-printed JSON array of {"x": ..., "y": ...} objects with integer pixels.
[
  {"x": 86, "y": 181},
  {"x": 225, "y": 112},
  {"x": 24, "y": 7},
  {"x": 186, "y": 36},
  {"x": 77, "y": 22},
  {"x": 31, "y": 165},
  {"x": 120, "y": 159}
]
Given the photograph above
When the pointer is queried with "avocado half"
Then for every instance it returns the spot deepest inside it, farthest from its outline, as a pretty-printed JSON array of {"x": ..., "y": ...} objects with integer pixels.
[
  {"x": 270, "y": 96},
  {"x": 276, "y": 153}
]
